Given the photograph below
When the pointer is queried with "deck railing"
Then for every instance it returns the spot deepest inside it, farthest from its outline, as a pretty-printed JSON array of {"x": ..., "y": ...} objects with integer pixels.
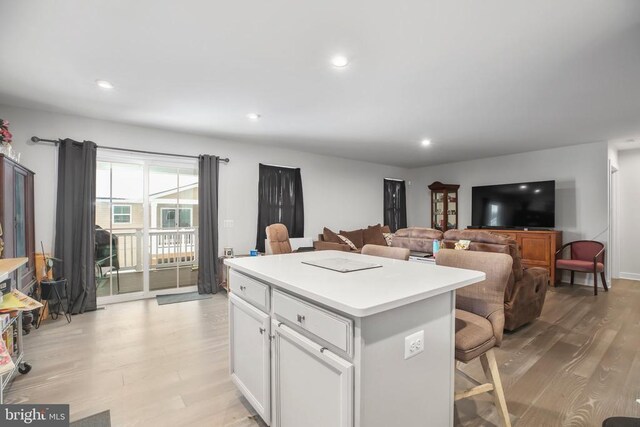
[{"x": 166, "y": 248}]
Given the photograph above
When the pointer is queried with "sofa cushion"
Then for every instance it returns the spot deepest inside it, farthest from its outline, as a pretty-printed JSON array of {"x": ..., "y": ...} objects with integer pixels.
[
  {"x": 578, "y": 265},
  {"x": 330, "y": 236},
  {"x": 347, "y": 242},
  {"x": 474, "y": 335},
  {"x": 373, "y": 236},
  {"x": 356, "y": 236}
]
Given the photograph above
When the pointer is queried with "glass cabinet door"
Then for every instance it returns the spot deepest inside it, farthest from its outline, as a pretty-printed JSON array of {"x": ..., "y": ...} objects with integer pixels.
[{"x": 20, "y": 216}]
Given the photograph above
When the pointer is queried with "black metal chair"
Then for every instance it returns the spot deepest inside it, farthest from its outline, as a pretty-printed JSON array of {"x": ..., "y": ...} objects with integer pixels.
[{"x": 106, "y": 256}]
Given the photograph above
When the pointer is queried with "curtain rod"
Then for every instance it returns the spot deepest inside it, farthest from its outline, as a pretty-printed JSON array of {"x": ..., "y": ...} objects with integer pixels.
[
  {"x": 394, "y": 179},
  {"x": 53, "y": 141}
]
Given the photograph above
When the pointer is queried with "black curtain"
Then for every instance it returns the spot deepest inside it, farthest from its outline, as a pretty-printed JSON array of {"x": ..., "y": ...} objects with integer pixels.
[
  {"x": 75, "y": 222},
  {"x": 395, "y": 204},
  {"x": 207, "y": 224},
  {"x": 279, "y": 200}
]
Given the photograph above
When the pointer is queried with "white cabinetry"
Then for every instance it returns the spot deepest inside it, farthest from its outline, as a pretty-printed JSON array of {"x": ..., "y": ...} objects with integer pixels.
[
  {"x": 312, "y": 347},
  {"x": 249, "y": 362},
  {"x": 312, "y": 387}
]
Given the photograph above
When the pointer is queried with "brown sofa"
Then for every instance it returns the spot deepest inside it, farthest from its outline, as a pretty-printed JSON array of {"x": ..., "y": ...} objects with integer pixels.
[
  {"x": 526, "y": 288},
  {"x": 416, "y": 239},
  {"x": 371, "y": 235}
]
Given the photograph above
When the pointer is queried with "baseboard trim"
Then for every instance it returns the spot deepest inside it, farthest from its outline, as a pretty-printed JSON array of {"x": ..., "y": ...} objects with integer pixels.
[{"x": 630, "y": 276}]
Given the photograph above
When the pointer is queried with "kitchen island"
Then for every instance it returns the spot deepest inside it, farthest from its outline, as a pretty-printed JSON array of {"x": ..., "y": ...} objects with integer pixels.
[{"x": 312, "y": 347}]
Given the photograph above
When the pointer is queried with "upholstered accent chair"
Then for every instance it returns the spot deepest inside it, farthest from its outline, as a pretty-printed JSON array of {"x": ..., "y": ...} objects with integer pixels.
[
  {"x": 587, "y": 256},
  {"x": 480, "y": 319},
  {"x": 278, "y": 238},
  {"x": 527, "y": 287},
  {"x": 386, "y": 252}
]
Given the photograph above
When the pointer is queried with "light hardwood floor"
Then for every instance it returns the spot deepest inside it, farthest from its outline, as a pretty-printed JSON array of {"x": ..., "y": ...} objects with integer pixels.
[{"x": 167, "y": 365}]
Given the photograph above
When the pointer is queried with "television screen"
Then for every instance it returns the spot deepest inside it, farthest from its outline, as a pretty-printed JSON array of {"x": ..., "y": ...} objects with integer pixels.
[{"x": 522, "y": 205}]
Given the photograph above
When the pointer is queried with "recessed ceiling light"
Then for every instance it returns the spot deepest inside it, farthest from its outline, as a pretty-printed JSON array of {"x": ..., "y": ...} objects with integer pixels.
[
  {"x": 253, "y": 116},
  {"x": 104, "y": 84},
  {"x": 426, "y": 142},
  {"x": 339, "y": 61},
  {"x": 537, "y": 190},
  {"x": 523, "y": 187}
]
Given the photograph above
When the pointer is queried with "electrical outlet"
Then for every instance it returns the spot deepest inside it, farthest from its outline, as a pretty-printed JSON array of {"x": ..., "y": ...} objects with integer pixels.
[
  {"x": 228, "y": 223},
  {"x": 413, "y": 344}
]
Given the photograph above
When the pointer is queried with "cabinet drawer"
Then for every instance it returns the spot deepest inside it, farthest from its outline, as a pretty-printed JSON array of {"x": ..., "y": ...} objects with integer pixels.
[
  {"x": 249, "y": 290},
  {"x": 327, "y": 326}
]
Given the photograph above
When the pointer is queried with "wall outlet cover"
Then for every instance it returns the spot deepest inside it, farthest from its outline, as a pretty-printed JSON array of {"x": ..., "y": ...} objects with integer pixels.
[
  {"x": 413, "y": 344},
  {"x": 228, "y": 223}
]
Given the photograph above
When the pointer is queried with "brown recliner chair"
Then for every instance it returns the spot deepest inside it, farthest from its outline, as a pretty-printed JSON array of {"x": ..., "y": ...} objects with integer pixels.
[
  {"x": 416, "y": 239},
  {"x": 526, "y": 288}
]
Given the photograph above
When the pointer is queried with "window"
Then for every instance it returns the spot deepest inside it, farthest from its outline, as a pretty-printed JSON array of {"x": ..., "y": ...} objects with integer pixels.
[
  {"x": 121, "y": 214},
  {"x": 279, "y": 201},
  {"x": 395, "y": 204},
  {"x": 185, "y": 216}
]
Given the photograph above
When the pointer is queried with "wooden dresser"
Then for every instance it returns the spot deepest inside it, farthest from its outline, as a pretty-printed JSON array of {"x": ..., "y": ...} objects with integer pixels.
[{"x": 537, "y": 248}]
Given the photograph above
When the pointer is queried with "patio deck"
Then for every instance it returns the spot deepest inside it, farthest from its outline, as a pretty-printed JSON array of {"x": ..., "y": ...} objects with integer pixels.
[{"x": 160, "y": 278}]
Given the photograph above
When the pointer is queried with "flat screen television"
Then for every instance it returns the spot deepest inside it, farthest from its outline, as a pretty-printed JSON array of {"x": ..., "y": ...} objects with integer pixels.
[{"x": 521, "y": 205}]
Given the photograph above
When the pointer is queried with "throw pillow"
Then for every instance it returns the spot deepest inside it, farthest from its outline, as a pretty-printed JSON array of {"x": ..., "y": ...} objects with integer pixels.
[
  {"x": 373, "y": 236},
  {"x": 355, "y": 236},
  {"x": 386, "y": 229},
  {"x": 330, "y": 236},
  {"x": 388, "y": 237},
  {"x": 348, "y": 242}
]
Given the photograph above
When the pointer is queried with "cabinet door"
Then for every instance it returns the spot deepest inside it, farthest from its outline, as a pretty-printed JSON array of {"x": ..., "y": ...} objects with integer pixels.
[
  {"x": 312, "y": 387},
  {"x": 535, "y": 249},
  {"x": 249, "y": 360}
]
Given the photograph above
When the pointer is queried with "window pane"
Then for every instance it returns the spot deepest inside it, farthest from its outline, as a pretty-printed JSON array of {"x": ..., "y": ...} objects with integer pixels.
[{"x": 185, "y": 217}]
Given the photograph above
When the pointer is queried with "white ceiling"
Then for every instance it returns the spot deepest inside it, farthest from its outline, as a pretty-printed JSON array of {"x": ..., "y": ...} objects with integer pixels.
[{"x": 479, "y": 78}]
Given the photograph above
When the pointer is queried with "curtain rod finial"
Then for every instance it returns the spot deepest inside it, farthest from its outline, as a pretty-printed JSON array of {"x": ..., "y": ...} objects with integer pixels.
[{"x": 35, "y": 139}]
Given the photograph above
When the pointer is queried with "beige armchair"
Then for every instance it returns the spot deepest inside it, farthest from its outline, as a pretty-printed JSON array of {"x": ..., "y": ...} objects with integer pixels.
[{"x": 480, "y": 319}]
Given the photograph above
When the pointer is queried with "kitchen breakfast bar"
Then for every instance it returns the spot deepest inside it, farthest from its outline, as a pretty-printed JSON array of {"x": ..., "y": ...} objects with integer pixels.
[{"x": 335, "y": 339}]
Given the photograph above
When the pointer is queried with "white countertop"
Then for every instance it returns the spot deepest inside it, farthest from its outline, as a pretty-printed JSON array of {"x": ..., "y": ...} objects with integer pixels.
[{"x": 358, "y": 293}]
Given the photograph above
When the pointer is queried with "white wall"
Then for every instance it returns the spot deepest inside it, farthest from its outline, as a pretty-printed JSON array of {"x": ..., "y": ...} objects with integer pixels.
[
  {"x": 629, "y": 212},
  {"x": 580, "y": 172},
  {"x": 338, "y": 193}
]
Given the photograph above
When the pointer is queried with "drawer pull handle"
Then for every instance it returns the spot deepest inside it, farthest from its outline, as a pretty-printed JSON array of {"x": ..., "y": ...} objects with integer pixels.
[
  {"x": 243, "y": 288},
  {"x": 300, "y": 318},
  {"x": 262, "y": 330}
]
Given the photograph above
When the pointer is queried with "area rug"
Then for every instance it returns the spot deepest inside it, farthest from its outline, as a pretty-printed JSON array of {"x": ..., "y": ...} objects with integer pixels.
[
  {"x": 174, "y": 298},
  {"x": 101, "y": 419}
]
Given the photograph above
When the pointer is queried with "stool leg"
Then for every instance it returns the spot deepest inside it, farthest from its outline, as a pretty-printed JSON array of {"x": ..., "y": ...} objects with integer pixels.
[
  {"x": 41, "y": 314},
  {"x": 490, "y": 367},
  {"x": 66, "y": 312}
]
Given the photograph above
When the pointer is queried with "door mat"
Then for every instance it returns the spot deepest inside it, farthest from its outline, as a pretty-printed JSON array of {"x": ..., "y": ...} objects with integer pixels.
[
  {"x": 101, "y": 419},
  {"x": 174, "y": 298}
]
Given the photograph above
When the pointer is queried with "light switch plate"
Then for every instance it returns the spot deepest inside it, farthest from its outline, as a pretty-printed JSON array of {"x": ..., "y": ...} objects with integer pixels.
[{"x": 413, "y": 344}]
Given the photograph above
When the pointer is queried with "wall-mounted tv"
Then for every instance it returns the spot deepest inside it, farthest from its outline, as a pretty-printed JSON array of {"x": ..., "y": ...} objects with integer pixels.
[{"x": 521, "y": 205}]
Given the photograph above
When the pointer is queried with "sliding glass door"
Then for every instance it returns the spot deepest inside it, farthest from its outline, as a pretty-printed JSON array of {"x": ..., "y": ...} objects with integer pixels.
[
  {"x": 146, "y": 226},
  {"x": 173, "y": 218}
]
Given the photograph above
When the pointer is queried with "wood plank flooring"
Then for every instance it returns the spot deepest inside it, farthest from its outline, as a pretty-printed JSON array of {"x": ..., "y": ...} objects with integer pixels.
[{"x": 168, "y": 365}]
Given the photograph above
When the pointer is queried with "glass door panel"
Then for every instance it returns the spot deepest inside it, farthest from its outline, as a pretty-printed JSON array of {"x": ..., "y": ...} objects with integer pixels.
[
  {"x": 173, "y": 209},
  {"x": 119, "y": 228}
]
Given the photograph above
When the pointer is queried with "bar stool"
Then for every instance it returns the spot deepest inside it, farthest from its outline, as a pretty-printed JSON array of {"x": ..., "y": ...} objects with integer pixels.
[{"x": 54, "y": 290}]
